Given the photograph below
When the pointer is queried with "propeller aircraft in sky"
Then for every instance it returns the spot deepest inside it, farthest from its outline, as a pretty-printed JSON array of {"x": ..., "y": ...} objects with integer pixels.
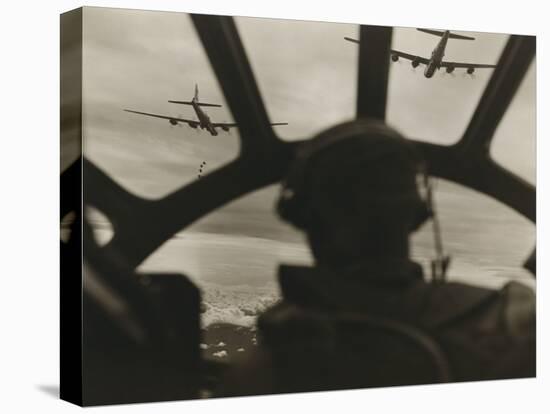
[
  {"x": 436, "y": 62},
  {"x": 203, "y": 120}
]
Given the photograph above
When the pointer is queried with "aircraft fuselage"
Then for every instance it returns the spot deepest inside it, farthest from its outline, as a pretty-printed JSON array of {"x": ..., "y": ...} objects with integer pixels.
[
  {"x": 204, "y": 119},
  {"x": 437, "y": 56}
]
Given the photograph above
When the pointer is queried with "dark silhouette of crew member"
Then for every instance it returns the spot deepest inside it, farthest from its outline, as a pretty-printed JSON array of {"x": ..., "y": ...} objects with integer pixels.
[{"x": 365, "y": 315}]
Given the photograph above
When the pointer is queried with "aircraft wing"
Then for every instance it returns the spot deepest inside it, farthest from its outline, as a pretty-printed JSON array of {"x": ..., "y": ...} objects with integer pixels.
[
  {"x": 408, "y": 56},
  {"x": 234, "y": 125},
  {"x": 465, "y": 65},
  {"x": 349, "y": 39},
  {"x": 224, "y": 125},
  {"x": 170, "y": 118}
]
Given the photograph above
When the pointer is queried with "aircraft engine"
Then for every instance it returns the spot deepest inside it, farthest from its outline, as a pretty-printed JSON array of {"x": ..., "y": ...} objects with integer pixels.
[
  {"x": 194, "y": 126},
  {"x": 225, "y": 128},
  {"x": 470, "y": 71},
  {"x": 415, "y": 63},
  {"x": 394, "y": 57},
  {"x": 450, "y": 69},
  {"x": 173, "y": 122}
]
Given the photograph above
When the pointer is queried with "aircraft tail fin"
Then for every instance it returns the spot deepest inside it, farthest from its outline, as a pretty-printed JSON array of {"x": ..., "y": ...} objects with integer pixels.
[
  {"x": 441, "y": 33},
  {"x": 196, "y": 103},
  {"x": 196, "y": 100},
  {"x": 456, "y": 36},
  {"x": 182, "y": 102},
  {"x": 208, "y": 104}
]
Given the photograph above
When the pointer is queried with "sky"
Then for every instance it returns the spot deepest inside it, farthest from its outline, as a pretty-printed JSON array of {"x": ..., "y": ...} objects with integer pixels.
[{"x": 306, "y": 73}]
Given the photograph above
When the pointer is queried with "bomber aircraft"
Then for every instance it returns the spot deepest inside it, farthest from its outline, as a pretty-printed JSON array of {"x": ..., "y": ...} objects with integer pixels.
[
  {"x": 203, "y": 121},
  {"x": 435, "y": 62}
]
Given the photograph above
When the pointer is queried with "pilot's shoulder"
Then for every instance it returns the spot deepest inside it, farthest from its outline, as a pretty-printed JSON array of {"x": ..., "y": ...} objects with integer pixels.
[
  {"x": 517, "y": 291},
  {"x": 510, "y": 310},
  {"x": 518, "y": 308},
  {"x": 451, "y": 301}
]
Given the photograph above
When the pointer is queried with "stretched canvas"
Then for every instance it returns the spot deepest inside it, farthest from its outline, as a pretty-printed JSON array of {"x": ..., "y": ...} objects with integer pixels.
[{"x": 177, "y": 131}]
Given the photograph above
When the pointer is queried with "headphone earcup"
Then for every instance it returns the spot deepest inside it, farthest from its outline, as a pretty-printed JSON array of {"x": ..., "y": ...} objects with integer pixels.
[
  {"x": 284, "y": 209},
  {"x": 289, "y": 208}
]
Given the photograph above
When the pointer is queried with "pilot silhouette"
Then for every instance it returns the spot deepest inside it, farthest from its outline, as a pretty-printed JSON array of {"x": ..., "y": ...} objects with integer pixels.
[{"x": 364, "y": 315}]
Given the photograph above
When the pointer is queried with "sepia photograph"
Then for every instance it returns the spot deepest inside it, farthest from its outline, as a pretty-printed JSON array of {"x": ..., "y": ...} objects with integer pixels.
[{"x": 257, "y": 206}]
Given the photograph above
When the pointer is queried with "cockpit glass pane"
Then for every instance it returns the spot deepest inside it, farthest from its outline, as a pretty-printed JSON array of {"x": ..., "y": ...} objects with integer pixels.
[
  {"x": 306, "y": 72},
  {"x": 514, "y": 143},
  {"x": 138, "y": 60},
  {"x": 232, "y": 255},
  {"x": 488, "y": 242},
  {"x": 438, "y": 109}
]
